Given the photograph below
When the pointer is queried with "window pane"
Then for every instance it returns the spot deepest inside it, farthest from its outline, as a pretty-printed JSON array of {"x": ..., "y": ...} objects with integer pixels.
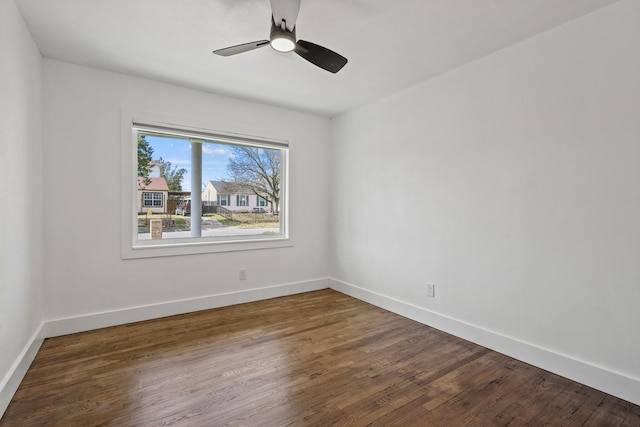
[
  {"x": 242, "y": 200},
  {"x": 248, "y": 174},
  {"x": 152, "y": 199}
]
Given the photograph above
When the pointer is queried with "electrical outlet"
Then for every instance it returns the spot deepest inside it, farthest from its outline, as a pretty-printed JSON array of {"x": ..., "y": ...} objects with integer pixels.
[
  {"x": 431, "y": 290},
  {"x": 243, "y": 274}
]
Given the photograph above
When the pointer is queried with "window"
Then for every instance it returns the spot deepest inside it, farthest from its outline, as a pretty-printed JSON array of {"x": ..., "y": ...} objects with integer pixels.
[
  {"x": 242, "y": 200},
  {"x": 152, "y": 200},
  {"x": 202, "y": 166},
  {"x": 261, "y": 202}
]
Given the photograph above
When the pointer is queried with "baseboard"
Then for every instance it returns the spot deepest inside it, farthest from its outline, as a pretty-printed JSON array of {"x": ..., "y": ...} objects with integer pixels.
[
  {"x": 70, "y": 325},
  {"x": 615, "y": 383},
  {"x": 13, "y": 378}
]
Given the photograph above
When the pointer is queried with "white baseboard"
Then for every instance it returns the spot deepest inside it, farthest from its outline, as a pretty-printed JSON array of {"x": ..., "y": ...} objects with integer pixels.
[
  {"x": 615, "y": 383},
  {"x": 70, "y": 325},
  {"x": 13, "y": 378}
]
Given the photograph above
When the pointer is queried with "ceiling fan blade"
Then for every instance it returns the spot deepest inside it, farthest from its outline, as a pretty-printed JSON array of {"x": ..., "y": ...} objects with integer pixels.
[
  {"x": 320, "y": 56},
  {"x": 234, "y": 50},
  {"x": 286, "y": 10}
]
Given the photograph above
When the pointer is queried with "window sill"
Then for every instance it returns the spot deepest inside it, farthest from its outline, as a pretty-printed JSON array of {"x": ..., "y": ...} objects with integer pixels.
[{"x": 200, "y": 246}]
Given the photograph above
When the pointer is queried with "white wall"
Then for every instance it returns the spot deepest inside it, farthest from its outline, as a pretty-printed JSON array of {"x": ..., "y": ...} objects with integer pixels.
[
  {"x": 513, "y": 185},
  {"x": 84, "y": 272},
  {"x": 20, "y": 197}
]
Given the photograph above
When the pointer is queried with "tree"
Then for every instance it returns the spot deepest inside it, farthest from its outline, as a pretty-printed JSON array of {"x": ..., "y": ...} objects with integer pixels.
[
  {"x": 173, "y": 176},
  {"x": 256, "y": 170},
  {"x": 145, "y": 153}
]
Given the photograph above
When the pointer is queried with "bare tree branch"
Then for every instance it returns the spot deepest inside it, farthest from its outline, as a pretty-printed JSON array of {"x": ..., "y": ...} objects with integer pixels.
[{"x": 257, "y": 170}]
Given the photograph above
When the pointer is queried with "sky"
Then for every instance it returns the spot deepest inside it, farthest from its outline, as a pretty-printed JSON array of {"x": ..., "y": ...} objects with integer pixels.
[{"x": 178, "y": 151}]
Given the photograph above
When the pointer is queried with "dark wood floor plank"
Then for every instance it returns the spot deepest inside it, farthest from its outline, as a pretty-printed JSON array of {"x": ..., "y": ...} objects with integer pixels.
[{"x": 314, "y": 359}]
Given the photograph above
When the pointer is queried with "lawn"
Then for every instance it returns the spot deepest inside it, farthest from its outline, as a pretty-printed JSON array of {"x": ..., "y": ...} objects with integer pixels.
[
  {"x": 169, "y": 222},
  {"x": 248, "y": 220}
]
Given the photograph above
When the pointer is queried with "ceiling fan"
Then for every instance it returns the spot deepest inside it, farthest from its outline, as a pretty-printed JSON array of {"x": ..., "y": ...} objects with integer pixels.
[{"x": 283, "y": 39}]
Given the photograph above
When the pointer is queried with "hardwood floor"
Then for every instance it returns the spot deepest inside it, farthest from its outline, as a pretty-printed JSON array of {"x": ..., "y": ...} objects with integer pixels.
[{"x": 314, "y": 359}]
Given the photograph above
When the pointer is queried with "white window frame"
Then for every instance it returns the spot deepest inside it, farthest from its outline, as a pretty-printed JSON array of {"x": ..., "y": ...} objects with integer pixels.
[
  {"x": 261, "y": 202},
  {"x": 226, "y": 198},
  {"x": 132, "y": 248}
]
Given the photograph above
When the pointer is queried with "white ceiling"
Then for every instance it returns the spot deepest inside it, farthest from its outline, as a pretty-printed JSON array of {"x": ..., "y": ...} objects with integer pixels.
[{"x": 391, "y": 45}]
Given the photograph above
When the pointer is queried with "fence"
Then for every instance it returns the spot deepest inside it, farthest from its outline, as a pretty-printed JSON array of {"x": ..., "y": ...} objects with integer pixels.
[
  {"x": 223, "y": 212},
  {"x": 172, "y": 205},
  {"x": 246, "y": 217}
]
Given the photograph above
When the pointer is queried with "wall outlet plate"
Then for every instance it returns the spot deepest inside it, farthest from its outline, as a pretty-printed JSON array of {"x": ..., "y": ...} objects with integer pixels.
[{"x": 431, "y": 290}]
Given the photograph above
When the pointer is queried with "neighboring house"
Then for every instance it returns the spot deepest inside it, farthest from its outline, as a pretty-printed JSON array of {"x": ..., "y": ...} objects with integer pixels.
[
  {"x": 229, "y": 196},
  {"x": 153, "y": 195}
]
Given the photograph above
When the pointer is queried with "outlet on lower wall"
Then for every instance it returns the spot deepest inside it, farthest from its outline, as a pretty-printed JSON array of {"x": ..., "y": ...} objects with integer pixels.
[
  {"x": 242, "y": 274},
  {"x": 431, "y": 290}
]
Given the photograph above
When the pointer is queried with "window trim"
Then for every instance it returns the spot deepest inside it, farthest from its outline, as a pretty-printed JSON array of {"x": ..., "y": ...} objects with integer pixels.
[{"x": 131, "y": 248}]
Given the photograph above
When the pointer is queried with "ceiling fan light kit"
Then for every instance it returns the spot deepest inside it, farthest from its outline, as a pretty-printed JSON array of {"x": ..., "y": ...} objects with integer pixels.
[{"x": 283, "y": 39}]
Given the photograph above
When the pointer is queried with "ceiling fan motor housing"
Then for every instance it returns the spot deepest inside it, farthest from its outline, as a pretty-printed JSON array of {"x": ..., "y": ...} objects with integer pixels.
[{"x": 282, "y": 39}]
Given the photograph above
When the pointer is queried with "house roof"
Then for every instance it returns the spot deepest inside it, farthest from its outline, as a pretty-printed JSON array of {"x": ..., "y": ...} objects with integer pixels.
[
  {"x": 224, "y": 187},
  {"x": 156, "y": 184}
]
